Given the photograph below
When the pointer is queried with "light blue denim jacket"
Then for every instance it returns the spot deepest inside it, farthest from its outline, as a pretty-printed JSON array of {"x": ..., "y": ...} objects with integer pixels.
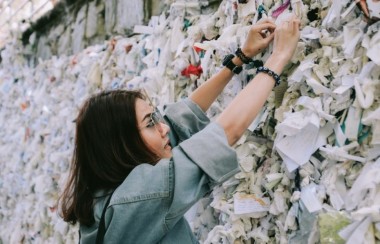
[{"x": 149, "y": 206}]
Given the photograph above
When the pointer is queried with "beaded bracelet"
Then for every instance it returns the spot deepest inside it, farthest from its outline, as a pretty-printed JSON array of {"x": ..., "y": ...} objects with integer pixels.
[
  {"x": 275, "y": 76},
  {"x": 242, "y": 56}
]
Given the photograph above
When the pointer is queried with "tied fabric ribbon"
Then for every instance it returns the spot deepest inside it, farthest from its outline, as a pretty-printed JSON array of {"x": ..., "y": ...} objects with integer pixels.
[
  {"x": 199, "y": 51},
  {"x": 192, "y": 70},
  {"x": 281, "y": 9}
]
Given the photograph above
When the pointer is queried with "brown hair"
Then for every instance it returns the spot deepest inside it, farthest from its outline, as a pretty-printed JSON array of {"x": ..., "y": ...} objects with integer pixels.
[{"x": 108, "y": 146}]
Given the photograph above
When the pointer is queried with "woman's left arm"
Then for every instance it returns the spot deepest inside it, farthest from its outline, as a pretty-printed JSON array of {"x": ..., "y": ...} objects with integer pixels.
[
  {"x": 255, "y": 43},
  {"x": 206, "y": 94}
]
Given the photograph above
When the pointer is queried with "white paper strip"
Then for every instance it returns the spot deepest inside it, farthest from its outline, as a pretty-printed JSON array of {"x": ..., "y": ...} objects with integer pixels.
[
  {"x": 250, "y": 203},
  {"x": 310, "y": 199}
]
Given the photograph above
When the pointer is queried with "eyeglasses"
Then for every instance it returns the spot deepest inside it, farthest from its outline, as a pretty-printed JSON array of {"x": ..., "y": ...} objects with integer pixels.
[
  {"x": 155, "y": 117},
  {"x": 155, "y": 120}
]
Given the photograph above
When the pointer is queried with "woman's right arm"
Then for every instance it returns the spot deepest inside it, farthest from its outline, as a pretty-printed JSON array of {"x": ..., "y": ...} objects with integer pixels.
[{"x": 240, "y": 113}]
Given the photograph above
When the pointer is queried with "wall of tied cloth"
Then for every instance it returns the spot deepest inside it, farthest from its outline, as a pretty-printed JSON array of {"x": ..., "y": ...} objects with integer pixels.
[{"x": 309, "y": 162}]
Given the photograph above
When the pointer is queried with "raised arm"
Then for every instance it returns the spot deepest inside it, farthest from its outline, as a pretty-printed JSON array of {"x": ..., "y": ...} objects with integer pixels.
[
  {"x": 240, "y": 113},
  {"x": 256, "y": 42}
]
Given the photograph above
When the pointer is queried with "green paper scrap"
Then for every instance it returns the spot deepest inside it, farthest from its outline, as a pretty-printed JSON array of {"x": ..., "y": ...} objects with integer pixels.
[
  {"x": 329, "y": 226},
  {"x": 186, "y": 24}
]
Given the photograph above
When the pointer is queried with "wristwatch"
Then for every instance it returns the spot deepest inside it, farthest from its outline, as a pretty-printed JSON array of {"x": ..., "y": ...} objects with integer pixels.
[{"x": 227, "y": 61}]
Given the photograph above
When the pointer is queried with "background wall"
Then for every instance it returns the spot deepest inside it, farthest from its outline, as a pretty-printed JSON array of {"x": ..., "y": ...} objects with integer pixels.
[{"x": 73, "y": 25}]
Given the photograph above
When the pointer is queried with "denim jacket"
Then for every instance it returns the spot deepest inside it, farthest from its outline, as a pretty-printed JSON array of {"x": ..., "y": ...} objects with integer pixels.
[{"x": 149, "y": 206}]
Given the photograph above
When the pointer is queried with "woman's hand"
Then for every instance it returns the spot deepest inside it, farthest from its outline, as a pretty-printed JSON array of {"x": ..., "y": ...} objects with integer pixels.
[
  {"x": 259, "y": 37},
  {"x": 242, "y": 110},
  {"x": 286, "y": 38}
]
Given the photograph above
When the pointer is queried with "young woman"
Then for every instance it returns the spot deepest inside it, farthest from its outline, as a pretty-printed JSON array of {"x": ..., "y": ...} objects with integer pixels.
[{"x": 143, "y": 172}]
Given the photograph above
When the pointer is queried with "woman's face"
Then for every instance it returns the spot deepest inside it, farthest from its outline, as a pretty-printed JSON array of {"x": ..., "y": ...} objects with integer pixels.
[{"x": 155, "y": 136}]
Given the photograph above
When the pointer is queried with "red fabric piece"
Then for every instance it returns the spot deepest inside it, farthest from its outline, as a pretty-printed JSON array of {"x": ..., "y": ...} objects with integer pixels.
[
  {"x": 197, "y": 49},
  {"x": 192, "y": 70}
]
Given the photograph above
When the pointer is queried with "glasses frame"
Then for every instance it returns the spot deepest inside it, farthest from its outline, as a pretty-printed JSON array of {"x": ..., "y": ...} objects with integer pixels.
[{"x": 156, "y": 117}]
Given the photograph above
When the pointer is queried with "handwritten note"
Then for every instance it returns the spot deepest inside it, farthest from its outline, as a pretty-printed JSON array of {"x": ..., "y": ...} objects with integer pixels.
[{"x": 250, "y": 203}]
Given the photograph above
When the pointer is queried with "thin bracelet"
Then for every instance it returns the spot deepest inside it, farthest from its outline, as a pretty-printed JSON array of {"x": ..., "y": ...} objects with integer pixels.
[{"x": 275, "y": 76}]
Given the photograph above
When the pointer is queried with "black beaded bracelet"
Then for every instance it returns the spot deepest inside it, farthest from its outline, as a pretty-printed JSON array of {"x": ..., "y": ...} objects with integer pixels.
[
  {"x": 242, "y": 56},
  {"x": 275, "y": 76}
]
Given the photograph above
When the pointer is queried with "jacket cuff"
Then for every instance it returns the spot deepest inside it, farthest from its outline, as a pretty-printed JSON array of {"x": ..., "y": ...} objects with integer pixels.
[{"x": 209, "y": 149}]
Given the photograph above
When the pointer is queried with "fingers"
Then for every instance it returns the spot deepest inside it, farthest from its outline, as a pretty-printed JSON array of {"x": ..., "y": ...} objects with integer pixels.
[
  {"x": 292, "y": 24},
  {"x": 265, "y": 26},
  {"x": 265, "y": 20},
  {"x": 269, "y": 38},
  {"x": 296, "y": 25}
]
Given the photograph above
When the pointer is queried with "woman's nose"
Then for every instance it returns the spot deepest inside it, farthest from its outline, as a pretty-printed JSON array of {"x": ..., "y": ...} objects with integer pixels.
[{"x": 163, "y": 129}]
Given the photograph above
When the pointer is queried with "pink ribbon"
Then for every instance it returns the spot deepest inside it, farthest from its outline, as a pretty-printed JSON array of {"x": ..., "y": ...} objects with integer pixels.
[{"x": 281, "y": 9}]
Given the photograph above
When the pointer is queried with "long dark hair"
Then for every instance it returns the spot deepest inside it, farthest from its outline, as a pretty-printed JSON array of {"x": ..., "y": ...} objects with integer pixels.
[{"x": 108, "y": 146}]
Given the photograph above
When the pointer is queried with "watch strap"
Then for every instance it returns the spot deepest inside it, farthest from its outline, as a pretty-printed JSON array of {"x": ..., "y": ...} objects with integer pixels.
[{"x": 227, "y": 62}]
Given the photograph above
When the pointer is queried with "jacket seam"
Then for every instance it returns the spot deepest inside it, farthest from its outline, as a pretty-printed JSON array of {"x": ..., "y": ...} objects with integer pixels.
[
  {"x": 145, "y": 197},
  {"x": 171, "y": 189}
]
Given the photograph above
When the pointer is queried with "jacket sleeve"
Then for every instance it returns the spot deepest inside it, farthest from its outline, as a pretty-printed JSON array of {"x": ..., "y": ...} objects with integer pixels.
[
  {"x": 199, "y": 163},
  {"x": 185, "y": 118},
  {"x": 156, "y": 197}
]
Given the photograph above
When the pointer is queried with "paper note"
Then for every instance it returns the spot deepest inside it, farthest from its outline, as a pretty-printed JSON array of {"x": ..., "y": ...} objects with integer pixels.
[
  {"x": 318, "y": 88},
  {"x": 374, "y": 8},
  {"x": 258, "y": 119},
  {"x": 347, "y": 83},
  {"x": 299, "y": 147},
  {"x": 352, "y": 123},
  {"x": 355, "y": 232},
  {"x": 250, "y": 203},
  {"x": 141, "y": 29},
  {"x": 310, "y": 199}
]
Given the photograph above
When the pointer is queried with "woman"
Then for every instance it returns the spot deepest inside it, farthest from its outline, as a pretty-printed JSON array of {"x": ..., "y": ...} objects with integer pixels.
[{"x": 142, "y": 174}]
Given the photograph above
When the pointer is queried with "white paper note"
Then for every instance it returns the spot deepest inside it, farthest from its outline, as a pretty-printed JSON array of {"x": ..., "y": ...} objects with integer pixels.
[
  {"x": 250, "y": 203},
  {"x": 374, "y": 8},
  {"x": 141, "y": 29},
  {"x": 310, "y": 199},
  {"x": 301, "y": 146}
]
